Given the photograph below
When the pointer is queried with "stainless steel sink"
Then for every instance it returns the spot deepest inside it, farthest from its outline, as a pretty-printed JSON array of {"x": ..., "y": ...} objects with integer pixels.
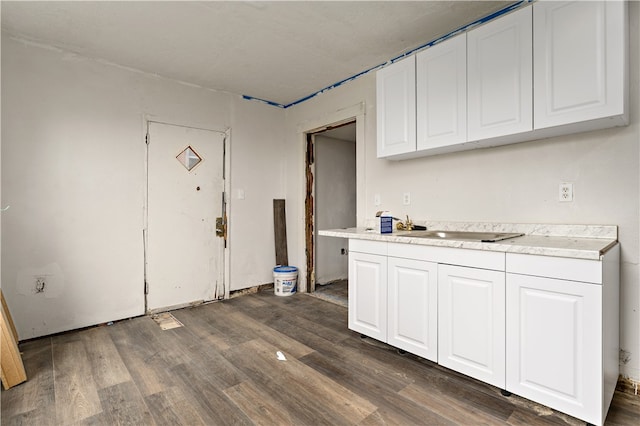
[{"x": 487, "y": 237}]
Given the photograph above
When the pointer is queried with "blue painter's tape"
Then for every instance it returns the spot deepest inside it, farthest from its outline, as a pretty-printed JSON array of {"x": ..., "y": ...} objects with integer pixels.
[
  {"x": 264, "y": 101},
  {"x": 462, "y": 29},
  {"x": 467, "y": 27}
]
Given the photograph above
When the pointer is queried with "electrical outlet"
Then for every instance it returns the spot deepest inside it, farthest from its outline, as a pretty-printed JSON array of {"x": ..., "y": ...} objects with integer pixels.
[
  {"x": 406, "y": 198},
  {"x": 376, "y": 200},
  {"x": 565, "y": 192}
]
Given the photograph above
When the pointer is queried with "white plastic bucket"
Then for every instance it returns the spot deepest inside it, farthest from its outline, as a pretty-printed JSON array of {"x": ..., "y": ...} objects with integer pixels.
[{"x": 285, "y": 280}]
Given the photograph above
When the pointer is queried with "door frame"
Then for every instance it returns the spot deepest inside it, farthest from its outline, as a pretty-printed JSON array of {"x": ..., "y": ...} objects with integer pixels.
[
  {"x": 341, "y": 117},
  {"x": 226, "y": 203}
]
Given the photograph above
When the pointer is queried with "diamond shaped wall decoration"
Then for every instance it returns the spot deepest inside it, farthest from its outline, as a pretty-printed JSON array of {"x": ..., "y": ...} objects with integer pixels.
[{"x": 189, "y": 158}]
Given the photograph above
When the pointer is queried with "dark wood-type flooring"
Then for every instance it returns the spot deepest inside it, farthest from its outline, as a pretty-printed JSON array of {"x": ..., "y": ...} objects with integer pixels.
[{"x": 221, "y": 368}]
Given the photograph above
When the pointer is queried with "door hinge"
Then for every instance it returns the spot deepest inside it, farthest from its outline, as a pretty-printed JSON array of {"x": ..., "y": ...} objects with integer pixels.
[
  {"x": 146, "y": 287},
  {"x": 146, "y": 138},
  {"x": 221, "y": 228}
]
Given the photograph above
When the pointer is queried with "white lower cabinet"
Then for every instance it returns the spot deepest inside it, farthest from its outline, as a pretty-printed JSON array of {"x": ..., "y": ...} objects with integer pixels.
[
  {"x": 471, "y": 328},
  {"x": 545, "y": 328},
  {"x": 393, "y": 299},
  {"x": 413, "y": 306},
  {"x": 553, "y": 346},
  {"x": 562, "y": 334},
  {"x": 368, "y": 294}
]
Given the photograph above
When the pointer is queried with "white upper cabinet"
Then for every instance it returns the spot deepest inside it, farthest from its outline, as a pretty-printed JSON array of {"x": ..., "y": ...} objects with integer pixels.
[
  {"x": 499, "y": 61},
  {"x": 441, "y": 94},
  {"x": 396, "y": 108},
  {"x": 547, "y": 69},
  {"x": 580, "y": 62}
]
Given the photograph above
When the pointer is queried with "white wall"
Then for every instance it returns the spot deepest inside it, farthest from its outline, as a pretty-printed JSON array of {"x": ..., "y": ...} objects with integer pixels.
[
  {"x": 515, "y": 183},
  {"x": 335, "y": 203},
  {"x": 73, "y": 172},
  {"x": 257, "y": 169}
]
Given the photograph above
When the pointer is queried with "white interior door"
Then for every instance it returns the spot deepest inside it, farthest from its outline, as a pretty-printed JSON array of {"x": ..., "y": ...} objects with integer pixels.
[{"x": 185, "y": 177}]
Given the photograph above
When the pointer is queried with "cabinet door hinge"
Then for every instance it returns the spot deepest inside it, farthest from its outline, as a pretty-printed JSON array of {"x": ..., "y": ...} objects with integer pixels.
[{"x": 146, "y": 287}]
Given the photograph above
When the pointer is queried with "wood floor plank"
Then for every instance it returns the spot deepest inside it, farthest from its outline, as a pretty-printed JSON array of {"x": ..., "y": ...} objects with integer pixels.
[
  {"x": 124, "y": 405},
  {"x": 245, "y": 326},
  {"x": 521, "y": 417},
  {"x": 283, "y": 342},
  {"x": 203, "y": 358},
  {"x": 140, "y": 355},
  {"x": 36, "y": 395},
  {"x": 380, "y": 387},
  {"x": 300, "y": 306},
  {"x": 625, "y": 409},
  {"x": 213, "y": 405},
  {"x": 294, "y": 325},
  {"x": 365, "y": 376},
  {"x": 201, "y": 328},
  {"x": 394, "y": 409},
  {"x": 158, "y": 344},
  {"x": 171, "y": 407},
  {"x": 302, "y": 391},
  {"x": 450, "y": 408},
  {"x": 106, "y": 363},
  {"x": 429, "y": 375},
  {"x": 259, "y": 406},
  {"x": 43, "y": 416},
  {"x": 213, "y": 318},
  {"x": 76, "y": 392}
]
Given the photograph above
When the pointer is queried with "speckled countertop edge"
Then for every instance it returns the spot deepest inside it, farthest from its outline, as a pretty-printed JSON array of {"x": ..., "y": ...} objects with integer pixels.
[{"x": 578, "y": 242}]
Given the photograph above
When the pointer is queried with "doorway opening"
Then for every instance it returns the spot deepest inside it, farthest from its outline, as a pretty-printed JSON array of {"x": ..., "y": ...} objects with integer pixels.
[{"x": 331, "y": 203}]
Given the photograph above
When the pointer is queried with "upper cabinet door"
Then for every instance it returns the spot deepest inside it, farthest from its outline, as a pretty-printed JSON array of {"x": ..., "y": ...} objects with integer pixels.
[
  {"x": 441, "y": 91},
  {"x": 579, "y": 60},
  {"x": 499, "y": 63},
  {"x": 396, "y": 108}
]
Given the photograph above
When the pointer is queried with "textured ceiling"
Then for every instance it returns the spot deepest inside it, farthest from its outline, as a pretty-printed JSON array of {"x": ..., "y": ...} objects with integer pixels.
[{"x": 277, "y": 51}]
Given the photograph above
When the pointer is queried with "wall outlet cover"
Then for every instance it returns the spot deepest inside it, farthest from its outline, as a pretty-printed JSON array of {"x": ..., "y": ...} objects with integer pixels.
[{"x": 565, "y": 192}]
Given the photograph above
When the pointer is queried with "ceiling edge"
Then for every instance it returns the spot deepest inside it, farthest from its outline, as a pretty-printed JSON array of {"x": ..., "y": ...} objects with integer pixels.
[{"x": 518, "y": 4}]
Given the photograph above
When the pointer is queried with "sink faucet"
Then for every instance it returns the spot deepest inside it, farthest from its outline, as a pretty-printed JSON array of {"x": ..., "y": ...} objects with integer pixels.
[
  {"x": 408, "y": 223},
  {"x": 406, "y": 226}
]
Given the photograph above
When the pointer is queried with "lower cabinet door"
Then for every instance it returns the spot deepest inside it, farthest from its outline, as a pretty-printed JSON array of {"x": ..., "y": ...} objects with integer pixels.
[
  {"x": 413, "y": 306},
  {"x": 554, "y": 348},
  {"x": 368, "y": 294},
  {"x": 471, "y": 316}
]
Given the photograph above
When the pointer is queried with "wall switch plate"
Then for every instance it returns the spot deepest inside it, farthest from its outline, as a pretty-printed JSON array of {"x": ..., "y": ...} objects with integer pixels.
[
  {"x": 376, "y": 200},
  {"x": 406, "y": 198},
  {"x": 565, "y": 192}
]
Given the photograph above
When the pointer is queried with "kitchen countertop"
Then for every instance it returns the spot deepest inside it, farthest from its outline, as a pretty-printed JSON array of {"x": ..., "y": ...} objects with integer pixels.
[{"x": 573, "y": 241}]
